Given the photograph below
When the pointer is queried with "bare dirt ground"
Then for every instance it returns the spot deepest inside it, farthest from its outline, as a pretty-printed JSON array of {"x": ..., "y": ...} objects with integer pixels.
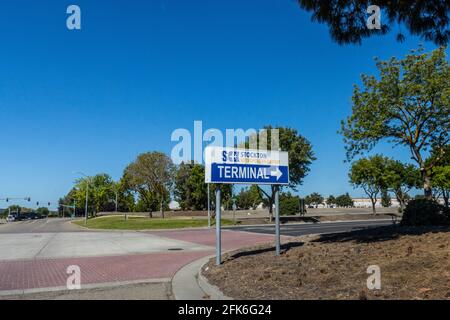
[{"x": 414, "y": 263}]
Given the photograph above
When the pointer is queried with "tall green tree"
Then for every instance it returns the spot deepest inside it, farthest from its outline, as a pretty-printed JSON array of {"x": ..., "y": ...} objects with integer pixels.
[
  {"x": 440, "y": 176},
  {"x": 69, "y": 200},
  {"x": 400, "y": 178},
  {"x": 331, "y": 200},
  {"x": 100, "y": 192},
  {"x": 344, "y": 201},
  {"x": 314, "y": 199},
  {"x": 408, "y": 104},
  {"x": 367, "y": 174},
  {"x": 347, "y": 19},
  {"x": 43, "y": 211},
  {"x": 248, "y": 198},
  {"x": 150, "y": 203},
  {"x": 255, "y": 196},
  {"x": 181, "y": 190},
  {"x": 125, "y": 196},
  {"x": 301, "y": 156},
  {"x": 226, "y": 195},
  {"x": 14, "y": 208},
  {"x": 151, "y": 176},
  {"x": 190, "y": 189},
  {"x": 386, "y": 200},
  {"x": 289, "y": 204},
  {"x": 441, "y": 179}
]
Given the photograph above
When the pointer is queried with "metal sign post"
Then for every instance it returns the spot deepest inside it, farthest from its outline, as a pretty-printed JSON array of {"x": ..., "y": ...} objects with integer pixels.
[
  {"x": 218, "y": 227},
  {"x": 277, "y": 220},
  {"x": 234, "y": 211},
  {"x": 209, "y": 208}
]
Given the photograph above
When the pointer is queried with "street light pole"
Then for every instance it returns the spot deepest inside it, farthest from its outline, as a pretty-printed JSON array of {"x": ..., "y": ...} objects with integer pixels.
[
  {"x": 117, "y": 200},
  {"x": 277, "y": 221},
  {"x": 218, "y": 227},
  {"x": 86, "y": 205},
  {"x": 88, "y": 180}
]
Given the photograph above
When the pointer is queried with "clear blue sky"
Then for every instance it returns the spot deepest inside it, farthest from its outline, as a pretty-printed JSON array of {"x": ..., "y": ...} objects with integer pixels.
[{"x": 91, "y": 100}]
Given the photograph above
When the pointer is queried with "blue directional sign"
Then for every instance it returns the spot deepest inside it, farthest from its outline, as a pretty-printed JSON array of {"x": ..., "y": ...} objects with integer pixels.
[{"x": 243, "y": 166}]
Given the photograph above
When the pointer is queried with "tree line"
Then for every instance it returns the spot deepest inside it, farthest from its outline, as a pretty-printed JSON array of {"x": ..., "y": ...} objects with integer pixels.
[
  {"x": 407, "y": 104},
  {"x": 152, "y": 180}
]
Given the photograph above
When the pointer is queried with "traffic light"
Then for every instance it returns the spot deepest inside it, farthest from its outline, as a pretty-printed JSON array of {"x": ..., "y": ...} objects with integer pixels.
[
  {"x": 7, "y": 200},
  {"x": 49, "y": 204},
  {"x": 28, "y": 199},
  {"x": 37, "y": 203}
]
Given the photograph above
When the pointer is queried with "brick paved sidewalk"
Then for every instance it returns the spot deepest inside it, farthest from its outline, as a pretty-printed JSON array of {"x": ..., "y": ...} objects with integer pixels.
[
  {"x": 43, "y": 273},
  {"x": 46, "y": 273}
]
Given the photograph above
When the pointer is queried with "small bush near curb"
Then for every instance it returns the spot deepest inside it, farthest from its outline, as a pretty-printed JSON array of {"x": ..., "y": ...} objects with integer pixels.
[
  {"x": 289, "y": 205},
  {"x": 424, "y": 212}
]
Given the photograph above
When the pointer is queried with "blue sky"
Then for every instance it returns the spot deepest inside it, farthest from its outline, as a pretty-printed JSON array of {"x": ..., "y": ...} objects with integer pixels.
[{"x": 91, "y": 100}]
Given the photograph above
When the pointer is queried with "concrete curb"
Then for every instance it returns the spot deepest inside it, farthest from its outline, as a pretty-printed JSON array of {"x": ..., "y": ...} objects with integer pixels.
[
  {"x": 304, "y": 223},
  {"x": 6, "y": 293},
  {"x": 213, "y": 291},
  {"x": 189, "y": 284}
]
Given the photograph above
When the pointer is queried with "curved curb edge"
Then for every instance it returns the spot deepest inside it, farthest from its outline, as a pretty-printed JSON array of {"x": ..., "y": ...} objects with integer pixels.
[
  {"x": 189, "y": 284},
  {"x": 211, "y": 290}
]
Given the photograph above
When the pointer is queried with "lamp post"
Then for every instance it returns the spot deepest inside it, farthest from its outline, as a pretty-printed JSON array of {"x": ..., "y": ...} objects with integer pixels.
[
  {"x": 116, "y": 202},
  {"x": 88, "y": 180}
]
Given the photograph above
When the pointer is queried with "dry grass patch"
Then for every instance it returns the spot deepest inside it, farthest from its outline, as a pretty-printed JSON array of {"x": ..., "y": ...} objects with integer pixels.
[{"x": 414, "y": 262}]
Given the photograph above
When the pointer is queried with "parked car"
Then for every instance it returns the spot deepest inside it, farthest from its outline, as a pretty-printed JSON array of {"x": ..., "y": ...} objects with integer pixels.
[{"x": 10, "y": 218}]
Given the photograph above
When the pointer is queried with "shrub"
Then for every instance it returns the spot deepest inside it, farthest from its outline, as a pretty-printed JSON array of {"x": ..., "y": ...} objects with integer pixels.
[
  {"x": 424, "y": 212},
  {"x": 289, "y": 205}
]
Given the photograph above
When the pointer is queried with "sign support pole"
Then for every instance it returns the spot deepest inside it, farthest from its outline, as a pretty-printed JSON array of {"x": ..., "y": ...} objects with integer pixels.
[
  {"x": 277, "y": 220},
  {"x": 209, "y": 208},
  {"x": 218, "y": 226}
]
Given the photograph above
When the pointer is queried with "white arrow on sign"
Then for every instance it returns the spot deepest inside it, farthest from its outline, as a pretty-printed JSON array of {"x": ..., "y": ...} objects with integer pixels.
[{"x": 276, "y": 173}]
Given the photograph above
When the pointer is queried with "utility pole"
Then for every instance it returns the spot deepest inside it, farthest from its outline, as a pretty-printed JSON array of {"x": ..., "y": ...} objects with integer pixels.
[
  {"x": 117, "y": 197},
  {"x": 88, "y": 181},
  {"x": 116, "y": 202},
  {"x": 86, "y": 205},
  {"x": 71, "y": 207}
]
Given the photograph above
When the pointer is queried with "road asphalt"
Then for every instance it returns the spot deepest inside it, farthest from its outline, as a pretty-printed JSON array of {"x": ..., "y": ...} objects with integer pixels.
[
  {"x": 295, "y": 230},
  {"x": 40, "y": 226}
]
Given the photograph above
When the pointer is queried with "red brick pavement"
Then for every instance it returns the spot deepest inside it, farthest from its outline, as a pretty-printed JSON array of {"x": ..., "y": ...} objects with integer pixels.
[{"x": 44, "y": 273}]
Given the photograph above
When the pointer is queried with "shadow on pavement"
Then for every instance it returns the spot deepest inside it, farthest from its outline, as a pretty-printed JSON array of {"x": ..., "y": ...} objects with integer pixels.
[
  {"x": 285, "y": 247},
  {"x": 285, "y": 219}
]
